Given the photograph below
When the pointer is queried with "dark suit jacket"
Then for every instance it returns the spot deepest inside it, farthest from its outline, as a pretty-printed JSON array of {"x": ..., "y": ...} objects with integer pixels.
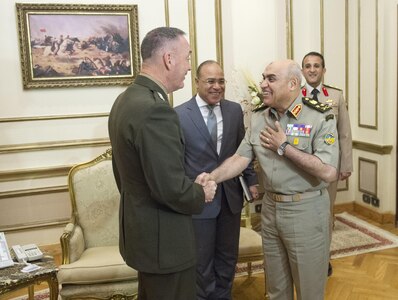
[
  {"x": 157, "y": 198},
  {"x": 201, "y": 154}
]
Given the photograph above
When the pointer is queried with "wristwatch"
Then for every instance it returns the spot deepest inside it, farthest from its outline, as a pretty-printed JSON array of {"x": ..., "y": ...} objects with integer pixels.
[{"x": 282, "y": 148}]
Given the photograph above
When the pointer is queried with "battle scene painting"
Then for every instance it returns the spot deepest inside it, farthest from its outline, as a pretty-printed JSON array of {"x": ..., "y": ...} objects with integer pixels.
[{"x": 81, "y": 47}]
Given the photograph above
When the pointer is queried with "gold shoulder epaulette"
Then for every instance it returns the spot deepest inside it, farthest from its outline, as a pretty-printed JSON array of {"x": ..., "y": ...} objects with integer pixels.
[
  {"x": 332, "y": 87},
  {"x": 316, "y": 105},
  {"x": 259, "y": 107}
]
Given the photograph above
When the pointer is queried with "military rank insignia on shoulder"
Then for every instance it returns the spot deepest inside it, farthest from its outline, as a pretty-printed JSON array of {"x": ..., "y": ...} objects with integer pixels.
[
  {"x": 260, "y": 107},
  {"x": 316, "y": 105},
  {"x": 332, "y": 87}
]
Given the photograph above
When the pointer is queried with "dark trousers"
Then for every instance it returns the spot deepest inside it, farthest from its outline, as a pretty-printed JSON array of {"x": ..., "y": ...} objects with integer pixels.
[
  {"x": 173, "y": 286},
  {"x": 217, "y": 244}
]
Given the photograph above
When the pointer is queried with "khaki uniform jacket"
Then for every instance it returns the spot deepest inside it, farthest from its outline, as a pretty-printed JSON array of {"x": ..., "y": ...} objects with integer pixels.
[
  {"x": 306, "y": 129},
  {"x": 334, "y": 97},
  {"x": 157, "y": 198}
]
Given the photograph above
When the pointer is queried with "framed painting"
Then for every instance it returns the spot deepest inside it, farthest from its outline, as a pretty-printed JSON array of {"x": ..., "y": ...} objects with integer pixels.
[{"x": 68, "y": 45}]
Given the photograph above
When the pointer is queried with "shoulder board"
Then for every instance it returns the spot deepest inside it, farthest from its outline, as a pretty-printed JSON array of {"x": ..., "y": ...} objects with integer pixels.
[
  {"x": 316, "y": 105},
  {"x": 332, "y": 87},
  {"x": 259, "y": 107}
]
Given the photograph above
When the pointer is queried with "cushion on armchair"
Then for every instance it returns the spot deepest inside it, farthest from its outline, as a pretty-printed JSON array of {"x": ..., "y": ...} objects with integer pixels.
[{"x": 98, "y": 264}]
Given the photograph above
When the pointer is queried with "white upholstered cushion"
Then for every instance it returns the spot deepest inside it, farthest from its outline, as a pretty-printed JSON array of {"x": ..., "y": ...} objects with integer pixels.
[
  {"x": 250, "y": 242},
  {"x": 99, "y": 264}
]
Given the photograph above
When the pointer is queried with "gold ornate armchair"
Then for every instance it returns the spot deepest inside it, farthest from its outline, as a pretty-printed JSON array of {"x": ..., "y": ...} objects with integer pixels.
[{"x": 92, "y": 266}]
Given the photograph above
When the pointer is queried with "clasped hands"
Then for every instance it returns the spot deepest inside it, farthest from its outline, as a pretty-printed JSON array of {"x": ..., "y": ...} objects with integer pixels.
[
  {"x": 209, "y": 186},
  {"x": 205, "y": 178},
  {"x": 272, "y": 139}
]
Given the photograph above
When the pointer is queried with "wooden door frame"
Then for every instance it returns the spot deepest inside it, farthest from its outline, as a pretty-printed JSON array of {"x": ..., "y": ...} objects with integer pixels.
[{"x": 396, "y": 153}]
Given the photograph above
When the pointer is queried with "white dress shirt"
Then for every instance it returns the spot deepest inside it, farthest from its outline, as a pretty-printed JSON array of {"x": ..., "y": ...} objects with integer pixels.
[{"x": 217, "y": 111}]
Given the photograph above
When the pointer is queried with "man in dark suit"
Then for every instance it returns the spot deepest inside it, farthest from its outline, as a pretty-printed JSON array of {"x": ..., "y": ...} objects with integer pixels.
[
  {"x": 157, "y": 198},
  {"x": 217, "y": 227}
]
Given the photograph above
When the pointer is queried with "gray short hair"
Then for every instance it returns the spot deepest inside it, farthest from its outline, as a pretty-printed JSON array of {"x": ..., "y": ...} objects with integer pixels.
[
  {"x": 294, "y": 71},
  {"x": 157, "y": 38}
]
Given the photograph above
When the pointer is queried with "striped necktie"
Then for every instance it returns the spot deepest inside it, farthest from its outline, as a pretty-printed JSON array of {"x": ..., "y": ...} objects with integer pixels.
[{"x": 212, "y": 124}]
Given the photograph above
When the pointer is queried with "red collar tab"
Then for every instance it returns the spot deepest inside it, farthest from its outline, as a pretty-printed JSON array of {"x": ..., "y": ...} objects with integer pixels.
[
  {"x": 296, "y": 110},
  {"x": 304, "y": 92},
  {"x": 325, "y": 91}
]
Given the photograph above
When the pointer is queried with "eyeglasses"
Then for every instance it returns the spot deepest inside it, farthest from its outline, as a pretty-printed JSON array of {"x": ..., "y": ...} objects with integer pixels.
[{"x": 212, "y": 81}]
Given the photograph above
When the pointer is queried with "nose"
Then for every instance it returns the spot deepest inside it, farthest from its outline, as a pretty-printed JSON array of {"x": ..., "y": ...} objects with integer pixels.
[
  {"x": 217, "y": 85},
  {"x": 263, "y": 83}
]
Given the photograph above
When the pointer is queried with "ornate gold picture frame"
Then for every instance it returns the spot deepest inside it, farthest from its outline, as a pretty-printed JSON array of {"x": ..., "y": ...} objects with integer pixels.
[{"x": 68, "y": 45}]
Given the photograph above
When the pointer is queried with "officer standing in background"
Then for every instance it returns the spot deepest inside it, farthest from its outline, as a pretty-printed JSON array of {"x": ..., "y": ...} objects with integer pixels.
[{"x": 313, "y": 68}]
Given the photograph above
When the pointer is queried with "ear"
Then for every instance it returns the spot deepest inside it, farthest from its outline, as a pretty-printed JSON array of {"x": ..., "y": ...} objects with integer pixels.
[
  {"x": 293, "y": 83},
  {"x": 167, "y": 60}
]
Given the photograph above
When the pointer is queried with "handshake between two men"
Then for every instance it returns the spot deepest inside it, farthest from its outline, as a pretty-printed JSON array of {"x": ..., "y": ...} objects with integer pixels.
[
  {"x": 231, "y": 167},
  {"x": 209, "y": 186}
]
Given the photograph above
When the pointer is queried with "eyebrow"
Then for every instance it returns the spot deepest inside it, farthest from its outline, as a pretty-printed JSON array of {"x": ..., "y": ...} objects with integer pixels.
[
  {"x": 315, "y": 63},
  {"x": 272, "y": 75}
]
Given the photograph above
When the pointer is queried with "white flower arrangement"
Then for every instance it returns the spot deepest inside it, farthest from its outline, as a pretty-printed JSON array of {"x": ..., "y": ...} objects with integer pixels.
[{"x": 255, "y": 94}]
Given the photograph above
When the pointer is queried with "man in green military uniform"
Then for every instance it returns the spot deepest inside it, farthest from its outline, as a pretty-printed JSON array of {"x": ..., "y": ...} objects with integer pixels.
[
  {"x": 295, "y": 142},
  {"x": 313, "y": 68},
  {"x": 157, "y": 199}
]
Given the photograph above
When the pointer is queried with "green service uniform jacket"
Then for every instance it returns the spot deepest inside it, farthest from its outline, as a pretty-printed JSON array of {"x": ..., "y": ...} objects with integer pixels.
[{"x": 157, "y": 198}]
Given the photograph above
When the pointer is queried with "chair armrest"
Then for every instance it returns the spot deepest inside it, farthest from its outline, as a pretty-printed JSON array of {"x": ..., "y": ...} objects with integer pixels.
[{"x": 72, "y": 243}]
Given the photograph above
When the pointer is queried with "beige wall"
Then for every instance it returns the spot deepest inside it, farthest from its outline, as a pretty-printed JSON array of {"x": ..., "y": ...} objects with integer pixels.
[{"x": 33, "y": 177}]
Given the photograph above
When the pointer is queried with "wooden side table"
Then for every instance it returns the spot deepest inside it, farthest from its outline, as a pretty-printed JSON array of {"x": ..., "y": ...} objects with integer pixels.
[{"x": 11, "y": 278}]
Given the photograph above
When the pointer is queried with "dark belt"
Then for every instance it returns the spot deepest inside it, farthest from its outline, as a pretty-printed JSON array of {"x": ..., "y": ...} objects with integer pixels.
[{"x": 295, "y": 197}]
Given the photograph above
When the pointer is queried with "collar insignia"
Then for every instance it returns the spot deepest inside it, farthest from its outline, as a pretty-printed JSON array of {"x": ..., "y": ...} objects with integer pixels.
[
  {"x": 297, "y": 110},
  {"x": 161, "y": 96},
  {"x": 325, "y": 91}
]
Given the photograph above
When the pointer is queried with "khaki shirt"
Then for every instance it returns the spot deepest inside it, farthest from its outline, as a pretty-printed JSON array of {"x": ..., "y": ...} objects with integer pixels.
[{"x": 308, "y": 130}]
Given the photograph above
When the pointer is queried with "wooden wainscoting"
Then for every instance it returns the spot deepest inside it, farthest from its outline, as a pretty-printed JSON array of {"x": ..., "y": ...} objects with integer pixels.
[{"x": 381, "y": 218}]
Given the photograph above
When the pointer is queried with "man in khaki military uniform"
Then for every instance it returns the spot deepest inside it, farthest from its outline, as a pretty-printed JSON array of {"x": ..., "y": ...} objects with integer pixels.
[
  {"x": 313, "y": 68},
  {"x": 295, "y": 141}
]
